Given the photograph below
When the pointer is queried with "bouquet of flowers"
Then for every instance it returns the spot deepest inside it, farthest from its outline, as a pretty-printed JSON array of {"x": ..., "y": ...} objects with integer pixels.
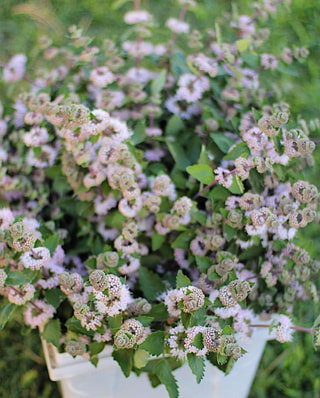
[{"x": 151, "y": 194}]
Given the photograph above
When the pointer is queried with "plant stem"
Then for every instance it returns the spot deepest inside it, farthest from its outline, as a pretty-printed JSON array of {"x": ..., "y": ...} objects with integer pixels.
[{"x": 297, "y": 328}]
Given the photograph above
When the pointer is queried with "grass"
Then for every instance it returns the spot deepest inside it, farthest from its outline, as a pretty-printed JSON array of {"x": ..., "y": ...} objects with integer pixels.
[{"x": 285, "y": 370}]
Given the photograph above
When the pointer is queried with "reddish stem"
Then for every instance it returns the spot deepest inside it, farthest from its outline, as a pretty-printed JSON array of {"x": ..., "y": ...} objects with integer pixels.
[{"x": 297, "y": 328}]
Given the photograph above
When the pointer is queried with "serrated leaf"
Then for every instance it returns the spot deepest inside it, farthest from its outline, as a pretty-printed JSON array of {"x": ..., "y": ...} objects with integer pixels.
[
  {"x": 197, "y": 366},
  {"x": 52, "y": 243},
  {"x": 5, "y": 313},
  {"x": 141, "y": 358},
  {"x": 202, "y": 173},
  {"x": 139, "y": 133},
  {"x": 159, "y": 82},
  {"x": 222, "y": 141},
  {"x": 183, "y": 240},
  {"x": 54, "y": 297},
  {"x": 243, "y": 44},
  {"x": 236, "y": 187},
  {"x": 52, "y": 332},
  {"x": 240, "y": 150},
  {"x": 182, "y": 280},
  {"x": 150, "y": 283},
  {"x": 124, "y": 359},
  {"x": 203, "y": 263},
  {"x": 164, "y": 373},
  {"x": 157, "y": 241},
  {"x": 154, "y": 343},
  {"x": 221, "y": 359}
]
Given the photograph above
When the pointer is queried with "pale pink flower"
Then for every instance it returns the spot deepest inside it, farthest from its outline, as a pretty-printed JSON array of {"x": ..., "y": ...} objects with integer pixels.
[
  {"x": 15, "y": 69},
  {"x": 177, "y": 26},
  {"x": 39, "y": 315},
  {"x": 134, "y": 17}
]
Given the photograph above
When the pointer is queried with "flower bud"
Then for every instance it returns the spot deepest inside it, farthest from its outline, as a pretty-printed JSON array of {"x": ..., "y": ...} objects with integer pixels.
[{"x": 124, "y": 339}]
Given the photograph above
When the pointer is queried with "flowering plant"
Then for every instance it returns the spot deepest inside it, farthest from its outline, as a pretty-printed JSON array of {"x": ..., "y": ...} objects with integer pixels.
[{"x": 149, "y": 197}]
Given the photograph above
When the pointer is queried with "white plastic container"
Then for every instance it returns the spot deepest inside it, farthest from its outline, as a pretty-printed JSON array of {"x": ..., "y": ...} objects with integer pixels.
[{"x": 78, "y": 378}]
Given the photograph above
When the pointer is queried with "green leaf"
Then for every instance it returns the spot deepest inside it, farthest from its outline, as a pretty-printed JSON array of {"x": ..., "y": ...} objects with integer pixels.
[
  {"x": 37, "y": 151},
  {"x": 183, "y": 240},
  {"x": 141, "y": 358},
  {"x": 52, "y": 243},
  {"x": 150, "y": 283},
  {"x": 236, "y": 187},
  {"x": 256, "y": 180},
  {"x": 256, "y": 114},
  {"x": 164, "y": 373},
  {"x": 185, "y": 318},
  {"x": 74, "y": 325},
  {"x": 221, "y": 359},
  {"x": 251, "y": 252},
  {"x": 240, "y": 150},
  {"x": 139, "y": 133},
  {"x": 84, "y": 209},
  {"x": 178, "y": 154},
  {"x": 219, "y": 193},
  {"x": 197, "y": 366},
  {"x": 157, "y": 241},
  {"x": 159, "y": 312},
  {"x": 182, "y": 280},
  {"x": 115, "y": 322},
  {"x": 124, "y": 359},
  {"x": 175, "y": 124},
  {"x": 96, "y": 348},
  {"x": 227, "y": 330},
  {"x": 22, "y": 277},
  {"x": 144, "y": 319},
  {"x": 178, "y": 64},
  {"x": 52, "y": 332},
  {"x": 230, "y": 232},
  {"x": 54, "y": 297},
  {"x": 222, "y": 141},
  {"x": 115, "y": 219},
  {"x": 158, "y": 83},
  {"x": 203, "y": 263},
  {"x": 243, "y": 44},
  {"x": 5, "y": 313},
  {"x": 154, "y": 343},
  {"x": 199, "y": 317},
  {"x": 202, "y": 173}
]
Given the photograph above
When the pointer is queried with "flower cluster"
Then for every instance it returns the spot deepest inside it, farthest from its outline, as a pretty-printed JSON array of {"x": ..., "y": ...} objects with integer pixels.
[{"x": 150, "y": 197}]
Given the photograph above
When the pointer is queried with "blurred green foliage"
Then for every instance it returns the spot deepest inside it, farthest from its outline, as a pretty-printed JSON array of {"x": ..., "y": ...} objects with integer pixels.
[{"x": 286, "y": 370}]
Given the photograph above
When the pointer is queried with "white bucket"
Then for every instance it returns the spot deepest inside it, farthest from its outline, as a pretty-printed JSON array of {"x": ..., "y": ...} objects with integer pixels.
[{"x": 78, "y": 378}]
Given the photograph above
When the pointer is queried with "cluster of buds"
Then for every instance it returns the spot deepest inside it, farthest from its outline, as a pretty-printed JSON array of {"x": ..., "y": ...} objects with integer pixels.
[
  {"x": 131, "y": 333},
  {"x": 234, "y": 292},
  {"x": 70, "y": 283},
  {"x": 297, "y": 144}
]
